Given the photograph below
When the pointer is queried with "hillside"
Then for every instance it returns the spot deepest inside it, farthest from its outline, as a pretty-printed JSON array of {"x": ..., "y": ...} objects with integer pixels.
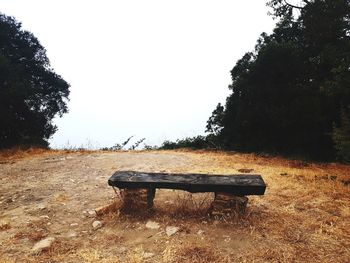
[{"x": 304, "y": 215}]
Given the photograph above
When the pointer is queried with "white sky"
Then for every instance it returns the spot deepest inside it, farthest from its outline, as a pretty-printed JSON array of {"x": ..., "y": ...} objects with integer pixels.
[{"x": 153, "y": 69}]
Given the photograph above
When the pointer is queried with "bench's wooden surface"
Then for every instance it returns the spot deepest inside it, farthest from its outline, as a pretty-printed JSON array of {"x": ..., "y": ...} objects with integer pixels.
[{"x": 237, "y": 184}]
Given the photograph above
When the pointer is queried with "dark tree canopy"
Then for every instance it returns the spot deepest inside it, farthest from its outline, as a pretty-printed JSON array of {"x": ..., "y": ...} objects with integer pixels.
[
  {"x": 31, "y": 93},
  {"x": 288, "y": 93}
]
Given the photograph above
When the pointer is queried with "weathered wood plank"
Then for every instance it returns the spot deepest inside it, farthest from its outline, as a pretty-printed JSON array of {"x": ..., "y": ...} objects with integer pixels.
[{"x": 237, "y": 184}]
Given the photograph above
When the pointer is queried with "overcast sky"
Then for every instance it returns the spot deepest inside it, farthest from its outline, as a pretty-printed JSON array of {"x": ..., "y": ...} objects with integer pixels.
[{"x": 155, "y": 69}]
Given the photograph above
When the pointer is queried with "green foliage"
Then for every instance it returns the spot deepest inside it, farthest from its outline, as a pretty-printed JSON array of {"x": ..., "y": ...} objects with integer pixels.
[
  {"x": 288, "y": 92},
  {"x": 116, "y": 147},
  {"x": 31, "y": 93},
  {"x": 149, "y": 147},
  {"x": 196, "y": 142},
  {"x": 215, "y": 122},
  {"x": 341, "y": 136}
]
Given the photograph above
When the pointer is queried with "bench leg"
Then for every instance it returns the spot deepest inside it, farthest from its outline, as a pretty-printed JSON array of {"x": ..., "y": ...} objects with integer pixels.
[
  {"x": 137, "y": 199},
  {"x": 228, "y": 204},
  {"x": 151, "y": 192}
]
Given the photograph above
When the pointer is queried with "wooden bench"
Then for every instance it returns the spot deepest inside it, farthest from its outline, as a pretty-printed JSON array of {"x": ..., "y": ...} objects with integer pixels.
[{"x": 230, "y": 190}]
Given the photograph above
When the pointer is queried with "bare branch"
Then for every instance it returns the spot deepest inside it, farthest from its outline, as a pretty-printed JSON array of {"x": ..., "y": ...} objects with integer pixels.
[{"x": 294, "y": 6}]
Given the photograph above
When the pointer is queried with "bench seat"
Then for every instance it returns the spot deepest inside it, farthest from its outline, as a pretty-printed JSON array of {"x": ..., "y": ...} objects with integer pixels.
[{"x": 235, "y": 184}]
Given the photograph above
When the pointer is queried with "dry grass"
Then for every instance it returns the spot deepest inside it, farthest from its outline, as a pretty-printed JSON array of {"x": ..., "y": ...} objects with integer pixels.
[
  {"x": 92, "y": 256},
  {"x": 304, "y": 215},
  {"x": 33, "y": 236},
  {"x": 15, "y": 154},
  {"x": 197, "y": 253},
  {"x": 191, "y": 205},
  {"x": 4, "y": 226},
  {"x": 33, "y": 231}
]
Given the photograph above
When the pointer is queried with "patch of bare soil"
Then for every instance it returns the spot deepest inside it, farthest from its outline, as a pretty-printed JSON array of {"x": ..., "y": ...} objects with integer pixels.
[{"x": 304, "y": 215}]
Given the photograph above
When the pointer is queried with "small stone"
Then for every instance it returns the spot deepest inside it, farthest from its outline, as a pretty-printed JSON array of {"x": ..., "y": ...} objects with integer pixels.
[
  {"x": 43, "y": 245},
  {"x": 227, "y": 239},
  {"x": 97, "y": 224},
  {"x": 146, "y": 255},
  {"x": 74, "y": 224},
  {"x": 200, "y": 232},
  {"x": 72, "y": 235},
  {"x": 92, "y": 213},
  {"x": 45, "y": 217},
  {"x": 41, "y": 207},
  {"x": 171, "y": 230},
  {"x": 152, "y": 225}
]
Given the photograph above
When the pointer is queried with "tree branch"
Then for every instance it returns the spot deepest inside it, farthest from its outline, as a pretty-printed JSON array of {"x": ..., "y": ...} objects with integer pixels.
[{"x": 294, "y": 6}]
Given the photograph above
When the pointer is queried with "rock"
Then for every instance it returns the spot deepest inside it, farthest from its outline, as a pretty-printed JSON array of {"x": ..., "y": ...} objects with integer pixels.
[
  {"x": 226, "y": 238},
  {"x": 72, "y": 235},
  {"x": 200, "y": 232},
  {"x": 74, "y": 224},
  {"x": 137, "y": 199},
  {"x": 41, "y": 207},
  {"x": 43, "y": 245},
  {"x": 97, "y": 224},
  {"x": 146, "y": 255},
  {"x": 171, "y": 230},
  {"x": 92, "y": 213},
  {"x": 225, "y": 204},
  {"x": 152, "y": 225}
]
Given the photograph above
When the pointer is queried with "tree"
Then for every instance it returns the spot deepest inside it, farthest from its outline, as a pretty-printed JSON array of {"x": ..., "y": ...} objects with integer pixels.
[
  {"x": 341, "y": 137},
  {"x": 31, "y": 93},
  {"x": 288, "y": 92},
  {"x": 214, "y": 124}
]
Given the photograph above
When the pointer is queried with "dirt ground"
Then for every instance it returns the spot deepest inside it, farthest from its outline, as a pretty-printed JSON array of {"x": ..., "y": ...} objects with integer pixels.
[{"x": 304, "y": 215}]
